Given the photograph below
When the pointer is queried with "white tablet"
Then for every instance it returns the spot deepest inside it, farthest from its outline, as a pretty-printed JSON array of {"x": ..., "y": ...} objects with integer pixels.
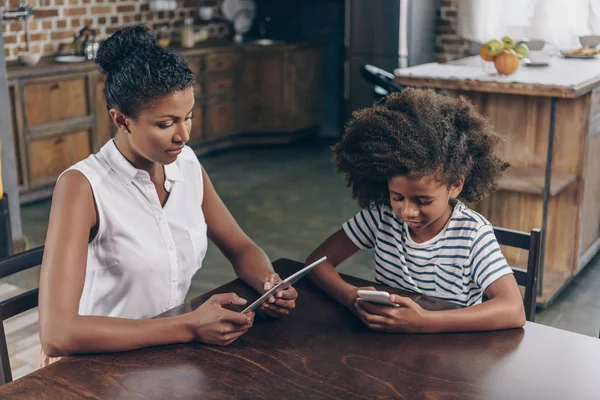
[{"x": 284, "y": 284}]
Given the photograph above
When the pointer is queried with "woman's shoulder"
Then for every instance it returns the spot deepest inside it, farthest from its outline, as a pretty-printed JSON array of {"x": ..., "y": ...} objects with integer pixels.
[
  {"x": 73, "y": 192},
  {"x": 74, "y": 182}
]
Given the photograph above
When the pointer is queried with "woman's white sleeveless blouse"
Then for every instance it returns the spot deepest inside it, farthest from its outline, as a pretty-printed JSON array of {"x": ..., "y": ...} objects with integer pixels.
[{"x": 144, "y": 256}]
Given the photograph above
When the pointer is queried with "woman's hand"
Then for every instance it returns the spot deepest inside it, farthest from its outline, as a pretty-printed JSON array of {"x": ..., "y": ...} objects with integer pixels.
[
  {"x": 212, "y": 324},
  {"x": 409, "y": 317},
  {"x": 281, "y": 302}
]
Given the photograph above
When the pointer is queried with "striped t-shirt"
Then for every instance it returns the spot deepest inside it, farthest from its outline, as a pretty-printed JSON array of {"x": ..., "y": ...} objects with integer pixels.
[{"x": 457, "y": 265}]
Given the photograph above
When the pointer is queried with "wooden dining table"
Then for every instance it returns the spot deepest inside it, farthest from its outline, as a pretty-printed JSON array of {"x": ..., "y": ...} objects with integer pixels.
[{"x": 322, "y": 351}]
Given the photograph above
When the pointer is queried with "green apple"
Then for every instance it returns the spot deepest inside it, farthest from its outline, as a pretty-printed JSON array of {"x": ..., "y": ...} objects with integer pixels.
[
  {"x": 495, "y": 47},
  {"x": 522, "y": 49},
  {"x": 509, "y": 43}
]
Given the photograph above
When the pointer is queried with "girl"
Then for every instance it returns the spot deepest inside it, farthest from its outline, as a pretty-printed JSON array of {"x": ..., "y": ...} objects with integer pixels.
[
  {"x": 408, "y": 159},
  {"x": 129, "y": 225}
]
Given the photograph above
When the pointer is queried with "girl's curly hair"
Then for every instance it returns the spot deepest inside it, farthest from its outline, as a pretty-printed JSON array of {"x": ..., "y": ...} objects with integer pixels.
[{"x": 417, "y": 133}]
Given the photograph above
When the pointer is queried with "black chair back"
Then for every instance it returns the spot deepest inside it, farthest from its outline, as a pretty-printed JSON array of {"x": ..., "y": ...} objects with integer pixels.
[
  {"x": 527, "y": 278},
  {"x": 382, "y": 81},
  {"x": 17, "y": 304}
]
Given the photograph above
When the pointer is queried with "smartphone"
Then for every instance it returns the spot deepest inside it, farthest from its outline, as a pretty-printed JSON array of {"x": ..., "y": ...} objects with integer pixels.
[{"x": 375, "y": 296}]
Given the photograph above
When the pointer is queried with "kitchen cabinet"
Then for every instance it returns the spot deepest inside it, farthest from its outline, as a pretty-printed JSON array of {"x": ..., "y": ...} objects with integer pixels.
[{"x": 244, "y": 94}]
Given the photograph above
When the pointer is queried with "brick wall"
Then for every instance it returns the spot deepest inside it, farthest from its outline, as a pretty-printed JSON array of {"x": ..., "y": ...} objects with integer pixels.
[
  {"x": 57, "y": 21},
  {"x": 449, "y": 46}
]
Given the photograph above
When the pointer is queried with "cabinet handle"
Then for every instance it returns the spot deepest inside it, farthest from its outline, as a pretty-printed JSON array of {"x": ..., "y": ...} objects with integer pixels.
[
  {"x": 59, "y": 140},
  {"x": 55, "y": 86}
]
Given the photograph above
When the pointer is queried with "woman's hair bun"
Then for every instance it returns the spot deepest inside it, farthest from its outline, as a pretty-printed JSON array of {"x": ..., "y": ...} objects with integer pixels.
[{"x": 123, "y": 43}]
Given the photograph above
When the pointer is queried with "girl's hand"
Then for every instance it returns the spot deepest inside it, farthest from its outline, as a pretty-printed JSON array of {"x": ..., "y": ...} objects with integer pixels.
[
  {"x": 282, "y": 301},
  {"x": 409, "y": 317},
  {"x": 211, "y": 323},
  {"x": 353, "y": 297}
]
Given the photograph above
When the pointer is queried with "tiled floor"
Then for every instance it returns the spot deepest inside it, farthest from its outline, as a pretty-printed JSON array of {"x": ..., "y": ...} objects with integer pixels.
[{"x": 288, "y": 200}]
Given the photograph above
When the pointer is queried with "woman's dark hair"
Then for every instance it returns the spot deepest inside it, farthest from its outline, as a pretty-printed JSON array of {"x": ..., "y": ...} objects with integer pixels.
[
  {"x": 417, "y": 133},
  {"x": 138, "y": 71}
]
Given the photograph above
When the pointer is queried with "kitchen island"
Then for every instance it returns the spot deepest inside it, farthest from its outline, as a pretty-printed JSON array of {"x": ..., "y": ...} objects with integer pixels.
[{"x": 550, "y": 117}]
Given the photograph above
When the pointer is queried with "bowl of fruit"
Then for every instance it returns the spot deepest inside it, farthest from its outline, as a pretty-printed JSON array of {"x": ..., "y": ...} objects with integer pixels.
[{"x": 504, "y": 54}]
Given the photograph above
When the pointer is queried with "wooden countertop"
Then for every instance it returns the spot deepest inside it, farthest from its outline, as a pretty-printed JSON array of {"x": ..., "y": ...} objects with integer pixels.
[
  {"x": 565, "y": 78},
  {"x": 48, "y": 65}
]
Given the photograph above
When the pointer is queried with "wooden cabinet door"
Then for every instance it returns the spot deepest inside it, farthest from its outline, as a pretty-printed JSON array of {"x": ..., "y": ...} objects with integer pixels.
[
  {"x": 305, "y": 79},
  {"x": 262, "y": 91},
  {"x": 54, "y": 100},
  {"x": 105, "y": 129},
  {"x": 49, "y": 157},
  {"x": 198, "y": 91},
  {"x": 195, "y": 65},
  {"x": 220, "y": 120},
  {"x": 197, "y": 133}
]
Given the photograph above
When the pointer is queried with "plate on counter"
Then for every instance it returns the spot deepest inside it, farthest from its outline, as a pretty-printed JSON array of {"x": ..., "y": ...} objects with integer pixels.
[
  {"x": 580, "y": 56},
  {"x": 70, "y": 59},
  {"x": 583, "y": 53}
]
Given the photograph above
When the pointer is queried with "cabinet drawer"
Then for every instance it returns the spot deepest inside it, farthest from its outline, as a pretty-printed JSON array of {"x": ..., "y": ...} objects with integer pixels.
[
  {"x": 220, "y": 120},
  {"x": 220, "y": 62},
  {"x": 55, "y": 100},
  {"x": 49, "y": 157},
  {"x": 219, "y": 86}
]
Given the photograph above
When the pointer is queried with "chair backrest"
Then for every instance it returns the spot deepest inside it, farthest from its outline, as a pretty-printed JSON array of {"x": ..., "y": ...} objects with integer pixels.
[
  {"x": 379, "y": 77},
  {"x": 17, "y": 304},
  {"x": 528, "y": 278}
]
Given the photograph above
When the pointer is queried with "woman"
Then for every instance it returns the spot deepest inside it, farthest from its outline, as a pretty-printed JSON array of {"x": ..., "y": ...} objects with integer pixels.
[{"x": 129, "y": 225}]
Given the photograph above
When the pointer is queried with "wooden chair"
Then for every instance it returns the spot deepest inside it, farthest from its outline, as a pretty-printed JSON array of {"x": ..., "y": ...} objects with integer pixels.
[
  {"x": 17, "y": 304},
  {"x": 528, "y": 278}
]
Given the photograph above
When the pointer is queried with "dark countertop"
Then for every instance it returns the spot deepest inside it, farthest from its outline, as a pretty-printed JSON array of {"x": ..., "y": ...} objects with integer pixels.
[{"x": 48, "y": 65}]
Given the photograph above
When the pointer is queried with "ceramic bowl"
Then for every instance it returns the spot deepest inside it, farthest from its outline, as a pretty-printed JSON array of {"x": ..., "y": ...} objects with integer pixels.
[
  {"x": 29, "y": 59},
  {"x": 535, "y": 44},
  {"x": 589, "y": 41}
]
